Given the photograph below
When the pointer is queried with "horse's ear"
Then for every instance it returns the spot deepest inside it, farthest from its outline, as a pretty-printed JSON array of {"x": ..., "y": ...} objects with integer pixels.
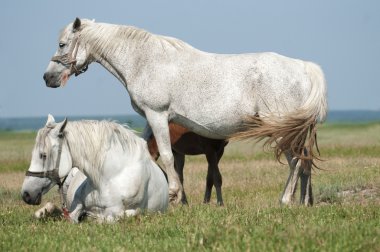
[
  {"x": 62, "y": 127},
  {"x": 50, "y": 121},
  {"x": 76, "y": 24}
]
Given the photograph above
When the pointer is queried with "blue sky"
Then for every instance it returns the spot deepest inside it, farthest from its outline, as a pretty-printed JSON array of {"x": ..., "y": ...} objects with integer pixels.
[{"x": 343, "y": 37}]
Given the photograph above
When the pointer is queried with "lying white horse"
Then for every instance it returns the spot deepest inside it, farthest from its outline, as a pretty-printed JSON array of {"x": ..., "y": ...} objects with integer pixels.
[
  {"x": 122, "y": 179},
  {"x": 216, "y": 96}
]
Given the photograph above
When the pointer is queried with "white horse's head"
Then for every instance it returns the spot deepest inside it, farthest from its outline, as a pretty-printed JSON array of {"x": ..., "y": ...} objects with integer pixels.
[
  {"x": 51, "y": 161},
  {"x": 72, "y": 57}
]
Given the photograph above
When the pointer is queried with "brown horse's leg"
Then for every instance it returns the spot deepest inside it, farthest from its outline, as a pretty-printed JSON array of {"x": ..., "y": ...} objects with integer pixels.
[
  {"x": 214, "y": 178},
  {"x": 179, "y": 163},
  {"x": 211, "y": 159},
  {"x": 209, "y": 184},
  {"x": 218, "y": 178},
  {"x": 306, "y": 189}
]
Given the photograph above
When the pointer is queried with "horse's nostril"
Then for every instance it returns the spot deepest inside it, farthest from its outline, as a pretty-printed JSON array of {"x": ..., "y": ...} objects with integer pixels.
[
  {"x": 45, "y": 77},
  {"x": 26, "y": 197}
]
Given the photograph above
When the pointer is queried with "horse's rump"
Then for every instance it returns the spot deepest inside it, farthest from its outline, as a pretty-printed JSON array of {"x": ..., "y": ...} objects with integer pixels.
[{"x": 295, "y": 130}]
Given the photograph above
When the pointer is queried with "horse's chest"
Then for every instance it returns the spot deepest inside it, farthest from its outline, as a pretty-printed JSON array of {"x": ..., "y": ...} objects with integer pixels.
[{"x": 148, "y": 96}]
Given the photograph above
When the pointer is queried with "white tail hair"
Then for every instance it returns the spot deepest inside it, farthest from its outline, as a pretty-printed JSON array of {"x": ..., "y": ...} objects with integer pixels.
[{"x": 316, "y": 103}]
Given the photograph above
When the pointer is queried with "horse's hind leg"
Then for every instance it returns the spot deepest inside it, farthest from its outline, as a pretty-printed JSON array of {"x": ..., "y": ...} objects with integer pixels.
[
  {"x": 209, "y": 183},
  {"x": 214, "y": 178},
  {"x": 218, "y": 178},
  {"x": 306, "y": 189},
  {"x": 179, "y": 161},
  {"x": 291, "y": 185}
]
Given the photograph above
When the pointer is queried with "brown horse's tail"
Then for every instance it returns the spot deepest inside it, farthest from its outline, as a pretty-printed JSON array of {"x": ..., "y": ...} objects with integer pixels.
[{"x": 294, "y": 131}]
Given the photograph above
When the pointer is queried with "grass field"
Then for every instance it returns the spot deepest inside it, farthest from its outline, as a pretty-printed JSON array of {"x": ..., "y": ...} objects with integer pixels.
[{"x": 346, "y": 215}]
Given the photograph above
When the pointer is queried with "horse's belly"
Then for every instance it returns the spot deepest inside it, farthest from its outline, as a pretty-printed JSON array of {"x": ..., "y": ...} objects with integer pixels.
[{"x": 211, "y": 127}]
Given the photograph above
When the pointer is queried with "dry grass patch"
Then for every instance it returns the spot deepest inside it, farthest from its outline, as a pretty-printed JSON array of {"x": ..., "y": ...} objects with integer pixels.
[
  {"x": 261, "y": 181},
  {"x": 11, "y": 180}
]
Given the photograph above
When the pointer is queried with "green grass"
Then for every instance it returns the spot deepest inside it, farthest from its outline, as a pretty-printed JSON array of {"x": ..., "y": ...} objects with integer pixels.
[
  {"x": 15, "y": 150},
  {"x": 252, "y": 219},
  {"x": 326, "y": 228}
]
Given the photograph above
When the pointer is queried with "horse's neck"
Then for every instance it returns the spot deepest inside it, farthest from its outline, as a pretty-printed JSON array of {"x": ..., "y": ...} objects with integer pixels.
[
  {"x": 86, "y": 167},
  {"x": 122, "y": 63},
  {"x": 114, "y": 67},
  {"x": 127, "y": 59}
]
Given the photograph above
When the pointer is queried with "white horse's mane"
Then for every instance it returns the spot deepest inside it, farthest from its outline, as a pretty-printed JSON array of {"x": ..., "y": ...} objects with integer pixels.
[
  {"x": 89, "y": 141},
  {"x": 104, "y": 38},
  {"x": 99, "y": 136}
]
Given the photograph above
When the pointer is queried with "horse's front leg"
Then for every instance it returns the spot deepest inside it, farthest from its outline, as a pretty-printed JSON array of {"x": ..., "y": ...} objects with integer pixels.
[
  {"x": 76, "y": 212},
  {"x": 179, "y": 160},
  {"x": 218, "y": 178},
  {"x": 77, "y": 206},
  {"x": 48, "y": 210},
  {"x": 158, "y": 121},
  {"x": 210, "y": 179}
]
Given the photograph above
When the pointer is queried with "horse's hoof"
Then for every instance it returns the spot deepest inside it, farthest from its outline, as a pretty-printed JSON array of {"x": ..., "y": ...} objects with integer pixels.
[
  {"x": 174, "y": 198},
  {"x": 175, "y": 194},
  {"x": 306, "y": 202},
  {"x": 287, "y": 200},
  {"x": 184, "y": 202},
  {"x": 40, "y": 214}
]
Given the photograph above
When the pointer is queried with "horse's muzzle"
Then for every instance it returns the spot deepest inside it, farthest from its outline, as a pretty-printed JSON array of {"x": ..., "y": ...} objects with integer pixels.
[
  {"x": 51, "y": 80},
  {"x": 29, "y": 200}
]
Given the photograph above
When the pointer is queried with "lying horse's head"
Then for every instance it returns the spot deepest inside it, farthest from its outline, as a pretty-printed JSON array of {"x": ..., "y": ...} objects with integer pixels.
[
  {"x": 51, "y": 161},
  {"x": 70, "y": 58}
]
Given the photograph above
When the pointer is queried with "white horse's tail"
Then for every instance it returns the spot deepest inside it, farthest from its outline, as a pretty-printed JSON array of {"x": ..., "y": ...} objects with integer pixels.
[
  {"x": 296, "y": 130},
  {"x": 316, "y": 103}
]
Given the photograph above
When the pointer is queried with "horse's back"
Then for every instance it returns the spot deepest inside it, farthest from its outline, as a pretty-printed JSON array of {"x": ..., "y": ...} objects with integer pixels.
[
  {"x": 224, "y": 89},
  {"x": 263, "y": 76}
]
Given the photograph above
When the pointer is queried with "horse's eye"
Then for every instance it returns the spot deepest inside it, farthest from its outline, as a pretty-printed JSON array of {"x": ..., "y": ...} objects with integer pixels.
[{"x": 61, "y": 45}]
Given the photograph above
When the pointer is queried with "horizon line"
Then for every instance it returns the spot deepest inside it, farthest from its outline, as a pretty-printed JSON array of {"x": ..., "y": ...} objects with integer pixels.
[{"x": 136, "y": 114}]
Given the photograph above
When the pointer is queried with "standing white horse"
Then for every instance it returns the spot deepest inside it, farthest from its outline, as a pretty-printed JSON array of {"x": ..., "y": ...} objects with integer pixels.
[
  {"x": 121, "y": 176},
  {"x": 216, "y": 96}
]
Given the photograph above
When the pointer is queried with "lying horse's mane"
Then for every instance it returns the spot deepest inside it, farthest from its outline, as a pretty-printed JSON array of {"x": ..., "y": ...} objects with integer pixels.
[
  {"x": 90, "y": 140},
  {"x": 101, "y": 133},
  {"x": 104, "y": 38}
]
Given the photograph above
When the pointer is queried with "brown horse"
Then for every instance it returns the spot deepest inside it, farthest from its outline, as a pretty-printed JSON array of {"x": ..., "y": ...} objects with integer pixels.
[{"x": 185, "y": 142}]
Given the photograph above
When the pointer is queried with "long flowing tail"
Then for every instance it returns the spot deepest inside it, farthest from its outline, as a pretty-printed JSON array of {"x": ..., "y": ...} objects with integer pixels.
[{"x": 295, "y": 130}]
